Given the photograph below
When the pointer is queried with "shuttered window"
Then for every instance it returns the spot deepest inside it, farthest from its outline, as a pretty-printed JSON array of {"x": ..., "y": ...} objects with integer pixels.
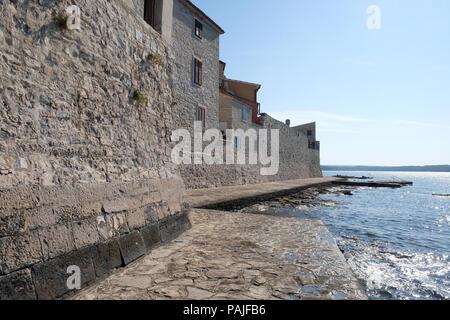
[
  {"x": 198, "y": 66},
  {"x": 198, "y": 29},
  {"x": 149, "y": 12}
]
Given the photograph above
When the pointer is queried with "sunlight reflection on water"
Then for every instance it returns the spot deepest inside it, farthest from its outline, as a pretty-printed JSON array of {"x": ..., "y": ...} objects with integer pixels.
[{"x": 396, "y": 241}]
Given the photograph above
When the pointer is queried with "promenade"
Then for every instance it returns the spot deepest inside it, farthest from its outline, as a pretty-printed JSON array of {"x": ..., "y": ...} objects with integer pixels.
[{"x": 230, "y": 255}]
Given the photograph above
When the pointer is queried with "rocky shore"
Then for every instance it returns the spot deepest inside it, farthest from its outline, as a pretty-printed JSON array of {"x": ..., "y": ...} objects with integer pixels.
[{"x": 304, "y": 199}]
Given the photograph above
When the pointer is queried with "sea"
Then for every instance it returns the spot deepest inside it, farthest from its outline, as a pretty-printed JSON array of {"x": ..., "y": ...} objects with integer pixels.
[{"x": 397, "y": 241}]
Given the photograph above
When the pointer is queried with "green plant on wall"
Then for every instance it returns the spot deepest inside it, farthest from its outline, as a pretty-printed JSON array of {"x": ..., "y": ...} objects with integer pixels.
[
  {"x": 60, "y": 19},
  {"x": 155, "y": 58},
  {"x": 140, "y": 98},
  {"x": 174, "y": 101}
]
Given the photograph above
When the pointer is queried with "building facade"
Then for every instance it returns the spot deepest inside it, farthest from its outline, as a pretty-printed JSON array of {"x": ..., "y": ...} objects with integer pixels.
[{"x": 195, "y": 43}]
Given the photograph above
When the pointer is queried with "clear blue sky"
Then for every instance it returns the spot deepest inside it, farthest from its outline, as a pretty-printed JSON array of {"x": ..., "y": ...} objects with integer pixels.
[{"x": 380, "y": 97}]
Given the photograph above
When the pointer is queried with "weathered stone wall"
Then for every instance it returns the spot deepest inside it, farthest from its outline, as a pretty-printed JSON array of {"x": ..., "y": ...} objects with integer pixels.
[
  {"x": 85, "y": 172},
  {"x": 297, "y": 160},
  {"x": 307, "y": 128},
  {"x": 185, "y": 46}
]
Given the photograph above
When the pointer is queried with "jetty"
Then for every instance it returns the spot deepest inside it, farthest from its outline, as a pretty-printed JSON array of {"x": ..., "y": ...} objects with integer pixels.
[
  {"x": 369, "y": 184},
  {"x": 353, "y": 177}
]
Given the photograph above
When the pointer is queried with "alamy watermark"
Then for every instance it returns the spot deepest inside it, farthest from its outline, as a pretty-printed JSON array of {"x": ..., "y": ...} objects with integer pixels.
[
  {"x": 74, "y": 280},
  {"x": 231, "y": 150},
  {"x": 374, "y": 20}
]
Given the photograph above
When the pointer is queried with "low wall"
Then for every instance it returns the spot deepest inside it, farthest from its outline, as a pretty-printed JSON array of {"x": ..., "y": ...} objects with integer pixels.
[{"x": 86, "y": 177}]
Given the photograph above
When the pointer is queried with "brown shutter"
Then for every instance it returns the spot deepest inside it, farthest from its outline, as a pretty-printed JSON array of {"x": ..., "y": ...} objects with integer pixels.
[
  {"x": 195, "y": 70},
  {"x": 200, "y": 73},
  {"x": 149, "y": 12}
]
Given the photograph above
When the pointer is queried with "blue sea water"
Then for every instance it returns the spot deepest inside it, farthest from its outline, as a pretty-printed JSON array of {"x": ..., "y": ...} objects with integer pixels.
[{"x": 397, "y": 241}]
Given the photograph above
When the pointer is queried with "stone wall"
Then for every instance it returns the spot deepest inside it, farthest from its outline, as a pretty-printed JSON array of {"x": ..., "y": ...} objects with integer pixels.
[
  {"x": 308, "y": 129},
  {"x": 297, "y": 160},
  {"x": 85, "y": 123}
]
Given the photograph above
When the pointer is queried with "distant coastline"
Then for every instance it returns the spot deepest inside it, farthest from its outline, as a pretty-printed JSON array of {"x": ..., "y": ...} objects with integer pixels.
[{"x": 436, "y": 168}]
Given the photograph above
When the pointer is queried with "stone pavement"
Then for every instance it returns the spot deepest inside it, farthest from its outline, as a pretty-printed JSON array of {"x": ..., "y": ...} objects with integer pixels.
[
  {"x": 204, "y": 197},
  {"x": 237, "y": 256}
]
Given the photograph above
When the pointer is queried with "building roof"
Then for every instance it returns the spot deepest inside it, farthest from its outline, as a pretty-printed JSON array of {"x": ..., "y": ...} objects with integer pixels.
[
  {"x": 203, "y": 15},
  {"x": 242, "y": 100},
  {"x": 255, "y": 85}
]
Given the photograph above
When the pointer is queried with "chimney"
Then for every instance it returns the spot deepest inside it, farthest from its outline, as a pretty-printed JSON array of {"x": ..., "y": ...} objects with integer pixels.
[{"x": 288, "y": 122}]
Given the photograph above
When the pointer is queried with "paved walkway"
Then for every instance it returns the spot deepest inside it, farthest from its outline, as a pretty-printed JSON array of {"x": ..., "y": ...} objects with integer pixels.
[
  {"x": 204, "y": 197},
  {"x": 238, "y": 256}
]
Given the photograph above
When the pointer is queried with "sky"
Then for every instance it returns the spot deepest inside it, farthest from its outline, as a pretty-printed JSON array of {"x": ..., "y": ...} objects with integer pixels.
[{"x": 379, "y": 96}]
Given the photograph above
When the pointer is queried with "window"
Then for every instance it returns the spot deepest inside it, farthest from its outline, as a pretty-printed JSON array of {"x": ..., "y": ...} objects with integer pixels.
[
  {"x": 201, "y": 116},
  {"x": 244, "y": 114},
  {"x": 198, "y": 29},
  {"x": 149, "y": 12},
  {"x": 198, "y": 66},
  {"x": 309, "y": 133}
]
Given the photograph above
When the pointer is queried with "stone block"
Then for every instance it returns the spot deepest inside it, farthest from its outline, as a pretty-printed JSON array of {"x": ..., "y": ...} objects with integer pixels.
[
  {"x": 132, "y": 247},
  {"x": 50, "y": 277},
  {"x": 104, "y": 228},
  {"x": 119, "y": 223},
  {"x": 24, "y": 197},
  {"x": 78, "y": 212},
  {"x": 110, "y": 226},
  {"x": 151, "y": 214},
  {"x": 40, "y": 218},
  {"x": 19, "y": 251},
  {"x": 108, "y": 258},
  {"x": 151, "y": 236},
  {"x": 115, "y": 206},
  {"x": 66, "y": 213},
  {"x": 17, "y": 286},
  {"x": 11, "y": 222},
  {"x": 56, "y": 240},
  {"x": 56, "y": 196},
  {"x": 135, "y": 219},
  {"x": 163, "y": 210},
  {"x": 85, "y": 233},
  {"x": 173, "y": 226},
  {"x": 175, "y": 207}
]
